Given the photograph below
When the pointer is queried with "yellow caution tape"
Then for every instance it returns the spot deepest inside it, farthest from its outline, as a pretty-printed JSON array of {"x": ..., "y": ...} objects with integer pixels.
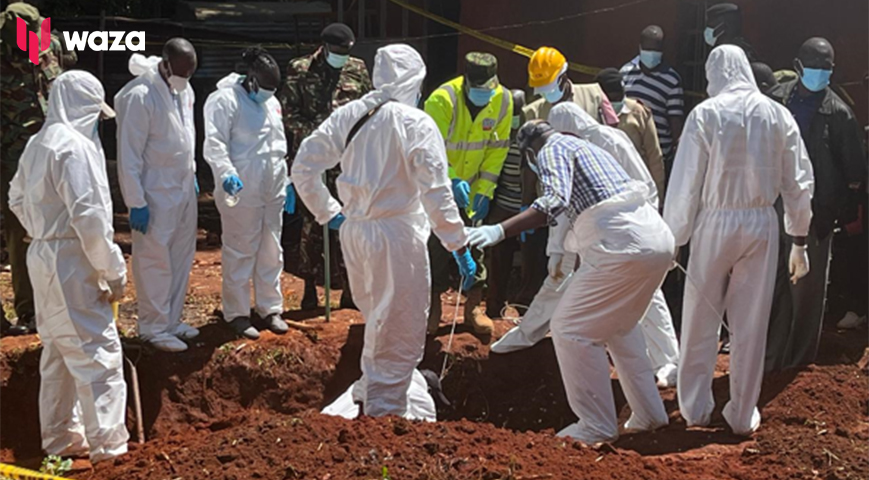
[
  {"x": 18, "y": 473},
  {"x": 510, "y": 46}
]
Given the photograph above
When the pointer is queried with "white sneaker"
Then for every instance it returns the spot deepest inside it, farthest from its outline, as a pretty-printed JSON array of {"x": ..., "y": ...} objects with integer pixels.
[
  {"x": 576, "y": 432},
  {"x": 185, "y": 332},
  {"x": 168, "y": 343},
  {"x": 666, "y": 375},
  {"x": 851, "y": 321},
  {"x": 635, "y": 424}
]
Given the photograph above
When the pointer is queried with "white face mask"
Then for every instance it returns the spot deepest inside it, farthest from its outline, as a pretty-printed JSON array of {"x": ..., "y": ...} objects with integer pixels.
[{"x": 177, "y": 83}]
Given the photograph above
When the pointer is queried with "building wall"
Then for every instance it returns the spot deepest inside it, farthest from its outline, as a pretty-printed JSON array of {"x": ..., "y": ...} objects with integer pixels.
[{"x": 776, "y": 28}]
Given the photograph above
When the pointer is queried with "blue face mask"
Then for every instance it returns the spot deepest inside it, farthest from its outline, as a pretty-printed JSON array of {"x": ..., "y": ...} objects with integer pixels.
[
  {"x": 533, "y": 168},
  {"x": 261, "y": 96},
  {"x": 618, "y": 106},
  {"x": 480, "y": 96},
  {"x": 710, "y": 37},
  {"x": 651, "y": 58},
  {"x": 514, "y": 124},
  {"x": 815, "y": 79},
  {"x": 553, "y": 96},
  {"x": 336, "y": 61}
]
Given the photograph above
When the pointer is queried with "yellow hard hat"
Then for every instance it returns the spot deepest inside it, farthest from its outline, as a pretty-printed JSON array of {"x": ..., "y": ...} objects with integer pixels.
[{"x": 545, "y": 66}]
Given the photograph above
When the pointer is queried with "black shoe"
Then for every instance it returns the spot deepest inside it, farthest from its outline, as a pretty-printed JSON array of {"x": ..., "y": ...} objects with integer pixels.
[
  {"x": 4, "y": 326},
  {"x": 273, "y": 323},
  {"x": 243, "y": 328},
  {"x": 24, "y": 326},
  {"x": 310, "y": 300},
  {"x": 347, "y": 302}
]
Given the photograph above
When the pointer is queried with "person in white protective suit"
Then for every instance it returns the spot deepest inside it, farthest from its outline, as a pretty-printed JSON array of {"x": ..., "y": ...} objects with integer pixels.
[
  {"x": 657, "y": 324},
  {"x": 245, "y": 146},
  {"x": 626, "y": 250},
  {"x": 61, "y": 195},
  {"x": 157, "y": 173},
  {"x": 395, "y": 190},
  {"x": 739, "y": 151}
]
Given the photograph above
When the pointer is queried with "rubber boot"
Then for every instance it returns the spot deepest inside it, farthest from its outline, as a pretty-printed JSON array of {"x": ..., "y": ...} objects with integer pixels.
[
  {"x": 435, "y": 314},
  {"x": 347, "y": 298},
  {"x": 309, "y": 299},
  {"x": 475, "y": 316}
]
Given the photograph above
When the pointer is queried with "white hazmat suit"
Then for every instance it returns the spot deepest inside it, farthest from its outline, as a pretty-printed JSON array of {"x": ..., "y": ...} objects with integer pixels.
[
  {"x": 739, "y": 150},
  {"x": 657, "y": 324},
  {"x": 61, "y": 195},
  {"x": 156, "y": 168},
  {"x": 246, "y": 139},
  {"x": 395, "y": 190}
]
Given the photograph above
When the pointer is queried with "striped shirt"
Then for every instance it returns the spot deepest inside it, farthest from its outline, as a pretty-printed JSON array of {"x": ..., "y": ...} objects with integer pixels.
[
  {"x": 508, "y": 195},
  {"x": 661, "y": 91},
  {"x": 576, "y": 175}
]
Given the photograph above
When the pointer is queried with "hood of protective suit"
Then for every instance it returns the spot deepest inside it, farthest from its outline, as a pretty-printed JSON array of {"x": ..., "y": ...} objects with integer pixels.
[
  {"x": 398, "y": 73},
  {"x": 230, "y": 80},
  {"x": 140, "y": 64},
  {"x": 569, "y": 117},
  {"x": 76, "y": 100},
  {"x": 728, "y": 70}
]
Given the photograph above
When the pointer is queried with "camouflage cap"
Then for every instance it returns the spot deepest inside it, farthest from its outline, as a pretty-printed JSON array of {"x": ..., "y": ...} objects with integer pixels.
[
  {"x": 481, "y": 70},
  {"x": 28, "y": 13}
]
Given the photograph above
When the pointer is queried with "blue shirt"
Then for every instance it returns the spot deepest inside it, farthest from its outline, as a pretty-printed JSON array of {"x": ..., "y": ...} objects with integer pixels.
[{"x": 576, "y": 175}]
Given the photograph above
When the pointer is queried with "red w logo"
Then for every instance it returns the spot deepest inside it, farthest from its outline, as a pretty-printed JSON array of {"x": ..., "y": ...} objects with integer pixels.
[{"x": 36, "y": 46}]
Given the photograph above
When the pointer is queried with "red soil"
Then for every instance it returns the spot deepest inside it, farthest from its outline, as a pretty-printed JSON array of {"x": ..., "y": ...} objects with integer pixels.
[{"x": 234, "y": 409}]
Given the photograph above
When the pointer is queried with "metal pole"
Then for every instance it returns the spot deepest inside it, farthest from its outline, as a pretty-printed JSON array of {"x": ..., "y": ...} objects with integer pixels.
[
  {"x": 298, "y": 39},
  {"x": 425, "y": 20},
  {"x": 383, "y": 18},
  {"x": 360, "y": 20},
  {"x": 404, "y": 18},
  {"x": 100, "y": 55},
  {"x": 100, "y": 62},
  {"x": 327, "y": 275},
  {"x": 340, "y": 11}
]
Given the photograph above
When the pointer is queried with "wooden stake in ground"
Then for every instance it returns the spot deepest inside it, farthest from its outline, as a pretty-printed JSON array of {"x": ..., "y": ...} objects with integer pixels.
[{"x": 327, "y": 274}]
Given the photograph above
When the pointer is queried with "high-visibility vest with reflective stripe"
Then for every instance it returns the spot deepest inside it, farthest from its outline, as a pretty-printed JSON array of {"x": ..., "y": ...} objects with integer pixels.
[{"x": 476, "y": 148}]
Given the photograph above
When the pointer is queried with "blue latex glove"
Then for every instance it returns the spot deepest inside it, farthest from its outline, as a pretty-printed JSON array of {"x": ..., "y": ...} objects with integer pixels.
[
  {"x": 462, "y": 192},
  {"x": 196, "y": 186},
  {"x": 232, "y": 185},
  {"x": 523, "y": 236},
  {"x": 290, "y": 201},
  {"x": 481, "y": 207},
  {"x": 467, "y": 268},
  {"x": 337, "y": 221},
  {"x": 139, "y": 219}
]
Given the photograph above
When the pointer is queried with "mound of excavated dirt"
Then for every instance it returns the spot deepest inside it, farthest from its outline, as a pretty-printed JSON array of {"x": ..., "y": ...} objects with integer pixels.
[
  {"x": 235, "y": 409},
  {"x": 238, "y": 410}
]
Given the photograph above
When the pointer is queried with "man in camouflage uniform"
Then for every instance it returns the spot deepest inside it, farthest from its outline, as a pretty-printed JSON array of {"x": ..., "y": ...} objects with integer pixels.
[
  {"x": 315, "y": 85},
  {"x": 23, "y": 100}
]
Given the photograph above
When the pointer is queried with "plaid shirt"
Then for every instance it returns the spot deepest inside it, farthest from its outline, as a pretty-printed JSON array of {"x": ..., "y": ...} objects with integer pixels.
[{"x": 576, "y": 175}]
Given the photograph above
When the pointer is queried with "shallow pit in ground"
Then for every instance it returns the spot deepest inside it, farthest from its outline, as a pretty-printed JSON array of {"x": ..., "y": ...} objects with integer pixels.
[{"x": 238, "y": 409}]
